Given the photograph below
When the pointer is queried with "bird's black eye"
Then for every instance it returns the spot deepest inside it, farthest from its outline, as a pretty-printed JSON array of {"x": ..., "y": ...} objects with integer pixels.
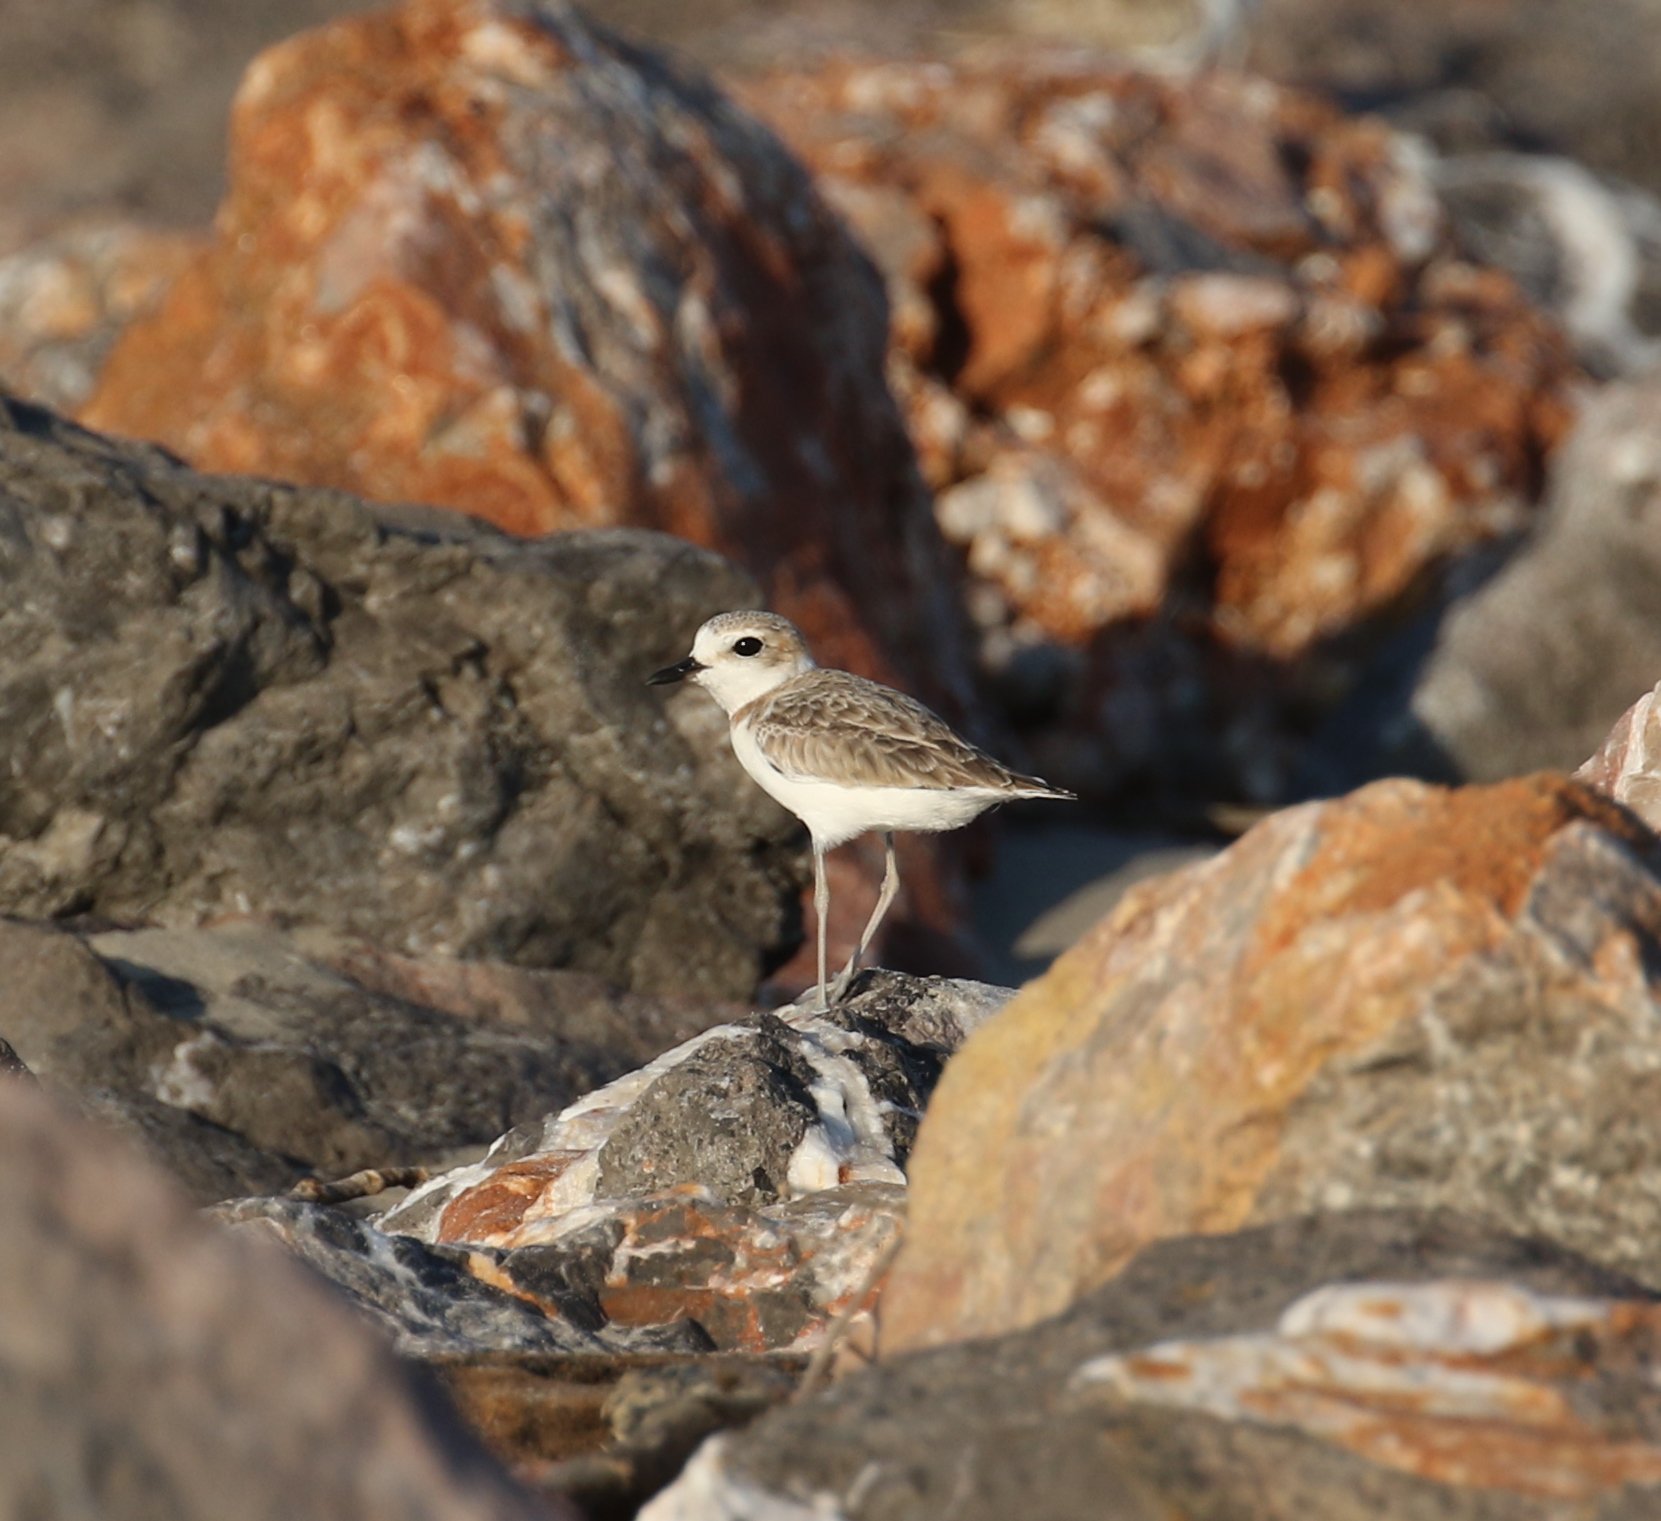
[{"x": 748, "y": 645}]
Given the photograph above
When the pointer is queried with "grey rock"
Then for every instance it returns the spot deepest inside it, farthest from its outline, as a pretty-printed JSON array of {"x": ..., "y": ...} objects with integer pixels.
[
  {"x": 1006, "y": 1426},
  {"x": 1531, "y": 669},
  {"x": 771, "y": 1107},
  {"x": 223, "y": 696},
  {"x": 155, "y": 1368},
  {"x": 242, "y": 1056}
]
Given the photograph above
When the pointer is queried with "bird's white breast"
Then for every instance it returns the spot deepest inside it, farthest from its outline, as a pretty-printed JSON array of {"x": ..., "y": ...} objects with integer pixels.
[{"x": 837, "y": 811}]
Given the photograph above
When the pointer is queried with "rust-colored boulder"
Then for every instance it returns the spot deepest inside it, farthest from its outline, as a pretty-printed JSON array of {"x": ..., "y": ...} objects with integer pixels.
[
  {"x": 1408, "y": 998},
  {"x": 485, "y": 255},
  {"x": 1198, "y": 375}
]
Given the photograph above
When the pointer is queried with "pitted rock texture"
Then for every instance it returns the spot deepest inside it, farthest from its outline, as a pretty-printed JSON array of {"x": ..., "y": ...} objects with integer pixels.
[
  {"x": 1202, "y": 382},
  {"x": 1410, "y": 997},
  {"x": 243, "y": 1056},
  {"x": 227, "y": 697},
  {"x": 1143, "y": 1401},
  {"x": 153, "y": 1367},
  {"x": 774, "y": 1107},
  {"x": 483, "y": 254},
  {"x": 1534, "y": 667}
]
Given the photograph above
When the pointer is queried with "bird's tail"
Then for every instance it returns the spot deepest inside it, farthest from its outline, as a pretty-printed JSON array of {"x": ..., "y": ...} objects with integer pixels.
[{"x": 1036, "y": 786}]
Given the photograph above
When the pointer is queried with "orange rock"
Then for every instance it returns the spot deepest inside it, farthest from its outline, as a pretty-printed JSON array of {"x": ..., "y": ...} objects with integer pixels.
[
  {"x": 493, "y": 259},
  {"x": 1411, "y": 997},
  {"x": 1223, "y": 325}
]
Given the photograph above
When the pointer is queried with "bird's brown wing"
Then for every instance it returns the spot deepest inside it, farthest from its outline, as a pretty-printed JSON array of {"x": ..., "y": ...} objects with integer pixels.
[{"x": 830, "y": 724}]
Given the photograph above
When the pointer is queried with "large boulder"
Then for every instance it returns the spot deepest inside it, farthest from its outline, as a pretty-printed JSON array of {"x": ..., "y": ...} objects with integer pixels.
[
  {"x": 244, "y": 1057},
  {"x": 154, "y": 1367},
  {"x": 1411, "y": 997},
  {"x": 484, "y": 254},
  {"x": 227, "y": 697},
  {"x": 1374, "y": 1366}
]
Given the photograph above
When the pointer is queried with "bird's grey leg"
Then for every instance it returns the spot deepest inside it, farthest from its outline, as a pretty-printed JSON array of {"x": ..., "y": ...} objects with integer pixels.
[
  {"x": 821, "y": 904},
  {"x": 890, "y": 886}
]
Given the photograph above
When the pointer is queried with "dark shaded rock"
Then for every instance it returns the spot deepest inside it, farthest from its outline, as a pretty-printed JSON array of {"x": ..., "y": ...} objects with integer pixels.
[
  {"x": 1011, "y": 1426},
  {"x": 243, "y": 1056},
  {"x": 223, "y": 696},
  {"x": 156, "y": 1368}
]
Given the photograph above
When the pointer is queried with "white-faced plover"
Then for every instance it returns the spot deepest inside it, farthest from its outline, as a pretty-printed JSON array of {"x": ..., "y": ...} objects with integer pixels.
[{"x": 844, "y": 754}]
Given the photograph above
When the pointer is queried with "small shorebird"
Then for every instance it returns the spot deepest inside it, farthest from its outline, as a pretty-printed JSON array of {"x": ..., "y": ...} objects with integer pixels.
[{"x": 844, "y": 754}]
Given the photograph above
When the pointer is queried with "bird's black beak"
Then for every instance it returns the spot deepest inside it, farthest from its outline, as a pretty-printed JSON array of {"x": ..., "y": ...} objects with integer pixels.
[{"x": 679, "y": 671}]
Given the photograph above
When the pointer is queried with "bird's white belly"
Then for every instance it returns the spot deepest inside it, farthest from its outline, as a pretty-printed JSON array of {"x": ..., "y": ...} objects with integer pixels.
[{"x": 836, "y": 811}]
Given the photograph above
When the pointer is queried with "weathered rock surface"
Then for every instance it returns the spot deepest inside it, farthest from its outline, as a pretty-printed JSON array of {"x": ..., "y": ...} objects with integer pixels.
[
  {"x": 1206, "y": 392},
  {"x": 1370, "y": 1366},
  {"x": 1533, "y": 668},
  {"x": 227, "y": 697},
  {"x": 483, "y": 254},
  {"x": 1411, "y": 997},
  {"x": 244, "y": 1057},
  {"x": 154, "y": 1367}
]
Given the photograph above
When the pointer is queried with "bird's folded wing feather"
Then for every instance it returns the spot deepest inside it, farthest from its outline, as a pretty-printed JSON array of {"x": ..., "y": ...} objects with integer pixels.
[{"x": 829, "y": 724}]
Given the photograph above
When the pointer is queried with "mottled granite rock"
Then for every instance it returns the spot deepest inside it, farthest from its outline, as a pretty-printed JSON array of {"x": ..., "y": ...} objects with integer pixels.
[
  {"x": 1367, "y": 1366},
  {"x": 155, "y": 1367},
  {"x": 227, "y": 697},
  {"x": 1409, "y": 997}
]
